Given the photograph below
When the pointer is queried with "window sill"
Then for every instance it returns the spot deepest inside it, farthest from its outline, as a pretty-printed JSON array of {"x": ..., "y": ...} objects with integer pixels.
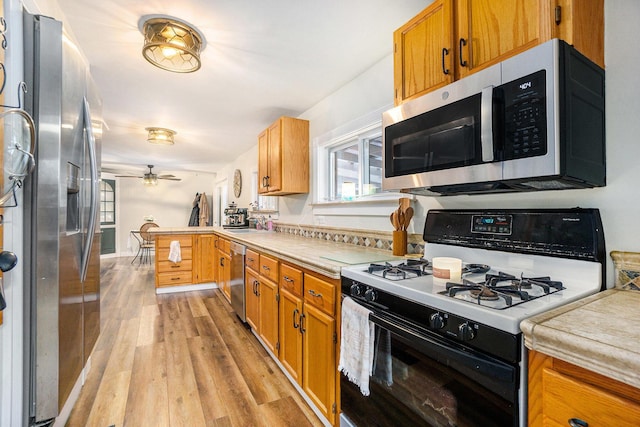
[{"x": 380, "y": 205}]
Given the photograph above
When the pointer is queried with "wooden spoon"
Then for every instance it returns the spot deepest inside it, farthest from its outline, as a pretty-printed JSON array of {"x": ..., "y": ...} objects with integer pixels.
[
  {"x": 400, "y": 218},
  {"x": 408, "y": 214},
  {"x": 394, "y": 220}
]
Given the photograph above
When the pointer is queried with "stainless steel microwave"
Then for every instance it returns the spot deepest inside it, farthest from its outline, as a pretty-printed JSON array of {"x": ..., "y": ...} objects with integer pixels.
[{"x": 535, "y": 121}]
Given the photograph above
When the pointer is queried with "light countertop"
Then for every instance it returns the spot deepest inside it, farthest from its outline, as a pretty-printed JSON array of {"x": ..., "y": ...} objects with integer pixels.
[
  {"x": 318, "y": 255},
  {"x": 597, "y": 333}
]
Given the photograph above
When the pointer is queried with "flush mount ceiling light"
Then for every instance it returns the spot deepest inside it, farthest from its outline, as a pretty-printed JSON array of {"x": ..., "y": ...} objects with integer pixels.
[
  {"x": 171, "y": 44},
  {"x": 160, "y": 135}
]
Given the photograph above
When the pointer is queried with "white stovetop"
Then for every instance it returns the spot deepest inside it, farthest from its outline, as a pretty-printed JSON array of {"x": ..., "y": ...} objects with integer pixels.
[{"x": 580, "y": 279}]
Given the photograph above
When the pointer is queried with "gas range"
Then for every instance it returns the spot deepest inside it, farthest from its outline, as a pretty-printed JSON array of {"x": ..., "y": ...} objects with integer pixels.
[{"x": 516, "y": 264}]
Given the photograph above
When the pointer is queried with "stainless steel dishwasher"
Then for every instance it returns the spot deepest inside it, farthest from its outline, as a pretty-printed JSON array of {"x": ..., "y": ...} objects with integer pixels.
[{"x": 237, "y": 280}]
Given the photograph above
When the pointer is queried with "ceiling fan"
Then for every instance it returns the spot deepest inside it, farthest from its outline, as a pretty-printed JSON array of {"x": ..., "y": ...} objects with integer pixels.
[{"x": 151, "y": 178}]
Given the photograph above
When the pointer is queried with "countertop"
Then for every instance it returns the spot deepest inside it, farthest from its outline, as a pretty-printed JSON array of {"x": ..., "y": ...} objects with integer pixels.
[
  {"x": 597, "y": 333},
  {"x": 314, "y": 254}
]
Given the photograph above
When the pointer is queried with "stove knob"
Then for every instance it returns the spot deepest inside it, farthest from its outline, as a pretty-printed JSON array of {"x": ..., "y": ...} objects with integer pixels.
[
  {"x": 436, "y": 321},
  {"x": 466, "y": 332},
  {"x": 357, "y": 290},
  {"x": 370, "y": 295}
]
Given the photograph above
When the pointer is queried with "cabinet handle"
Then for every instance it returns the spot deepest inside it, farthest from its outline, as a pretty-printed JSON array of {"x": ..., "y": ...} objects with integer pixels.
[
  {"x": 445, "y": 52},
  {"x": 257, "y": 284},
  {"x": 287, "y": 279},
  {"x": 264, "y": 181},
  {"x": 295, "y": 313},
  {"x": 250, "y": 259},
  {"x": 463, "y": 43},
  {"x": 264, "y": 267},
  {"x": 577, "y": 422},
  {"x": 302, "y": 329},
  {"x": 315, "y": 294},
  {"x": 222, "y": 262}
]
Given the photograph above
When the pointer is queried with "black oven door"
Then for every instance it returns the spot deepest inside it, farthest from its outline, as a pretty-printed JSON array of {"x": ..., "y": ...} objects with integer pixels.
[{"x": 421, "y": 379}]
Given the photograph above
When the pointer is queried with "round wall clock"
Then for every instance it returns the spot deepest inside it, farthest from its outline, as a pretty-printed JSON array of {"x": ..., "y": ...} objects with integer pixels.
[{"x": 237, "y": 183}]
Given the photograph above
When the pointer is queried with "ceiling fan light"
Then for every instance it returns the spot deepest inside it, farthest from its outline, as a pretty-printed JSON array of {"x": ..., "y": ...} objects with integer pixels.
[
  {"x": 150, "y": 179},
  {"x": 172, "y": 44},
  {"x": 160, "y": 135}
]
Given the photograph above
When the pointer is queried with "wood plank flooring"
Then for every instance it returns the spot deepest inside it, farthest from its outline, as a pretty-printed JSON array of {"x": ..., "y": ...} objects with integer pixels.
[{"x": 181, "y": 359}]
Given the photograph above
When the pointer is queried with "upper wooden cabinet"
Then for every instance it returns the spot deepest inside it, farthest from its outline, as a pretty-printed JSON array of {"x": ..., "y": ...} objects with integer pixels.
[
  {"x": 283, "y": 157},
  {"x": 451, "y": 39}
]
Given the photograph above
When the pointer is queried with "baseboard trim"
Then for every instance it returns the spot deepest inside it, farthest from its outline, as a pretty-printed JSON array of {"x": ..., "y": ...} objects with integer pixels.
[{"x": 186, "y": 288}]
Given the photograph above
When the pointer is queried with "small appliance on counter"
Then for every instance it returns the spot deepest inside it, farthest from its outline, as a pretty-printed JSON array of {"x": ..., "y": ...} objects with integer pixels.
[{"x": 236, "y": 217}]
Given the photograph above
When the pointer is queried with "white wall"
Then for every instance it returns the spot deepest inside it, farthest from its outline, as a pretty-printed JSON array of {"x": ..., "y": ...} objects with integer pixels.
[{"x": 170, "y": 203}]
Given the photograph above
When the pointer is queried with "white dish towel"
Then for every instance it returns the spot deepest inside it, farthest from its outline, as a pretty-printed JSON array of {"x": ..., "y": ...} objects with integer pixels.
[
  {"x": 174, "y": 251},
  {"x": 356, "y": 344}
]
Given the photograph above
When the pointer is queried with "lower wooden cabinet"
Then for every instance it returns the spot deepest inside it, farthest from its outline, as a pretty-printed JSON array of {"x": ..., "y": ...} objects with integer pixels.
[
  {"x": 205, "y": 262},
  {"x": 261, "y": 297},
  {"x": 308, "y": 337},
  {"x": 169, "y": 273},
  {"x": 560, "y": 391},
  {"x": 268, "y": 329}
]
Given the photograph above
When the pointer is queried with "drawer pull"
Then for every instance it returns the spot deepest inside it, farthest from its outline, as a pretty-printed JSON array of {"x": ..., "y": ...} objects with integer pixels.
[
  {"x": 287, "y": 279},
  {"x": 577, "y": 422},
  {"x": 266, "y": 268},
  {"x": 175, "y": 278},
  {"x": 175, "y": 266},
  {"x": 250, "y": 259},
  {"x": 315, "y": 294}
]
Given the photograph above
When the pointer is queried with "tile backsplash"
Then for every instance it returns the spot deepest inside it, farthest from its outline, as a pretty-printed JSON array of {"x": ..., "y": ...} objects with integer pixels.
[
  {"x": 627, "y": 270},
  {"x": 365, "y": 238}
]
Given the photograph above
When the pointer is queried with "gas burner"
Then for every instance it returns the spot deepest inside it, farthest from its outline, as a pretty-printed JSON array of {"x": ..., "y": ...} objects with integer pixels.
[
  {"x": 475, "y": 269},
  {"x": 478, "y": 292},
  {"x": 484, "y": 293},
  {"x": 396, "y": 272}
]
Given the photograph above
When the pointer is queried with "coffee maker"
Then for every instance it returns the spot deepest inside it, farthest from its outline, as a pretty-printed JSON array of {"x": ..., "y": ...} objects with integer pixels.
[{"x": 236, "y": 217}]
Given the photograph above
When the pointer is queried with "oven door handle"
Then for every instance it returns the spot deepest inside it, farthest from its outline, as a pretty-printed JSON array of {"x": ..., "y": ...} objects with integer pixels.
[{"x": 462, "y": 360}]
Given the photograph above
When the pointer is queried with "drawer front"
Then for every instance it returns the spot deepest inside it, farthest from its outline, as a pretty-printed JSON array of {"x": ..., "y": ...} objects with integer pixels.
[
  {"x": 224, "y": 245},
  {"x": 252, "y": 260},
  {"x": 565, "y": 398},
  {"x": 320, "y": 293},
  {"x": 168, "y": 266},
  {"x": 291, "y": 279},
  {"x": 269, "y": 268},
  {"x": 186, "y": 240},
  {"x": 175, "y": 278},
  {"x": 185, "y": 253}
]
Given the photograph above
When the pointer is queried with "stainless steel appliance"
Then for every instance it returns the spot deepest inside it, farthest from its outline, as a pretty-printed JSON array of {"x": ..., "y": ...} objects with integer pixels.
[
  {"x": 62, "y": 237},
  {"x": 451, "y": 353},
  {"x": 237, "y": 280},
  {"x": 532, "y": 122},
  {"x": 236, "y": 217}
]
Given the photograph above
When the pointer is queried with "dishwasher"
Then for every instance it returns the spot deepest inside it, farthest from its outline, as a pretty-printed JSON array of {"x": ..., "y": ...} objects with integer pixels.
[{"x": 236, "y": 284}]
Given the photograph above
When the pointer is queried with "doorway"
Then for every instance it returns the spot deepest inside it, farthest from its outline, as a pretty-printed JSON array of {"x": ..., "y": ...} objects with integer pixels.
[{"x": 108, "y": 216}]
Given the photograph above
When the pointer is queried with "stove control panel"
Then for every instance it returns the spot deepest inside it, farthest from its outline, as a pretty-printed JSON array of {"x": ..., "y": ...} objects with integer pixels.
[{"x": 437, "y": 321}]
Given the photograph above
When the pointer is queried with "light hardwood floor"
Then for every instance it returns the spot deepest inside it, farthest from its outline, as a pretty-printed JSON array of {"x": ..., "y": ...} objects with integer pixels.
[{"x": 181, "y": 359}]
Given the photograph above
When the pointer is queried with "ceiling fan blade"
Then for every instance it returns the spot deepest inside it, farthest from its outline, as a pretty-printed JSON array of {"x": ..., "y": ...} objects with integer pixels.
[
  {"x": 166, "y": 176},
  {"x": 170, "y": 179},
  {"x": 127, "y": 176}
]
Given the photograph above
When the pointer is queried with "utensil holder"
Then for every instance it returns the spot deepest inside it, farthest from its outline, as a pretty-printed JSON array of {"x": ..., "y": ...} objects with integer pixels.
[{"x": 399, "y": 242}]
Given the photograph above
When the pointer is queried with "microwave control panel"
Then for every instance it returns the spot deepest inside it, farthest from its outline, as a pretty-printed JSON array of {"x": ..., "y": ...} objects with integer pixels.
[{"x": 525, "y": 117}]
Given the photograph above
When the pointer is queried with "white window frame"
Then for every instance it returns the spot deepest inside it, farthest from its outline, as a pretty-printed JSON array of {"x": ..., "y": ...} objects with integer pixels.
[{"x": 368, "y": 205}]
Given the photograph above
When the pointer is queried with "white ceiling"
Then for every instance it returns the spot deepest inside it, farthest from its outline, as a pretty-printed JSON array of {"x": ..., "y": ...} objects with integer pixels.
[{"x": 262, "y": 59}]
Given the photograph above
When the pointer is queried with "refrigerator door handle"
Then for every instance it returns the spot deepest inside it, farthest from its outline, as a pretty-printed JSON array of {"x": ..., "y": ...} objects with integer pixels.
[{"x": 91, "y": 229}]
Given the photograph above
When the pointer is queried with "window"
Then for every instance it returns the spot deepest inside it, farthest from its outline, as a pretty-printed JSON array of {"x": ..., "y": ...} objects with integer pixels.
[
  {"x": 107, "y": 201},
  {"x": 355, "y": 166}
]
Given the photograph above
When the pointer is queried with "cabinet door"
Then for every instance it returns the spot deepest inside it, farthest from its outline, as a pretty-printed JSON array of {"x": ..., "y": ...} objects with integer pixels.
[
  {"x": 290, "y": 336},
  {"x": 205, "y": 262},
  {"x": 319, "y": 361},
  {"x": 424, "y": 52},
  {"x": 275, "y": 156},
  {"x": 263, "y": 162},
  {"x": 268, "y": 329},
  {"x": 252, "y": 300},
  {"x": 226, "y": 272},
  {"x": 489, "y": 31}
]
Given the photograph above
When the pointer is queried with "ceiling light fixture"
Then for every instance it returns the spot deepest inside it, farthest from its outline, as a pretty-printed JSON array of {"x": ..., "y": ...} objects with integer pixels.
[
  {"x": 160, "y": 135},
  {"x": 150, "y": 179},
  {"x": 171, "y": 44}
]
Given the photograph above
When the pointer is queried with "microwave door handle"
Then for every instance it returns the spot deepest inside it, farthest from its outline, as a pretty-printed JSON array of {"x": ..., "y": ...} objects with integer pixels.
[{"x": 486, "y": 118}]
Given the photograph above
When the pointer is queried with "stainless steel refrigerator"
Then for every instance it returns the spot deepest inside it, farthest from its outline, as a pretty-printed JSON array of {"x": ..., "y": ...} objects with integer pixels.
[{"x": 61, "y": 205}]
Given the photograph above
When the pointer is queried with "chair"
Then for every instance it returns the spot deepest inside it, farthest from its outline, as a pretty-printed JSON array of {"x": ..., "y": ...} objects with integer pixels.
[{"x": 147, "y": 244}]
